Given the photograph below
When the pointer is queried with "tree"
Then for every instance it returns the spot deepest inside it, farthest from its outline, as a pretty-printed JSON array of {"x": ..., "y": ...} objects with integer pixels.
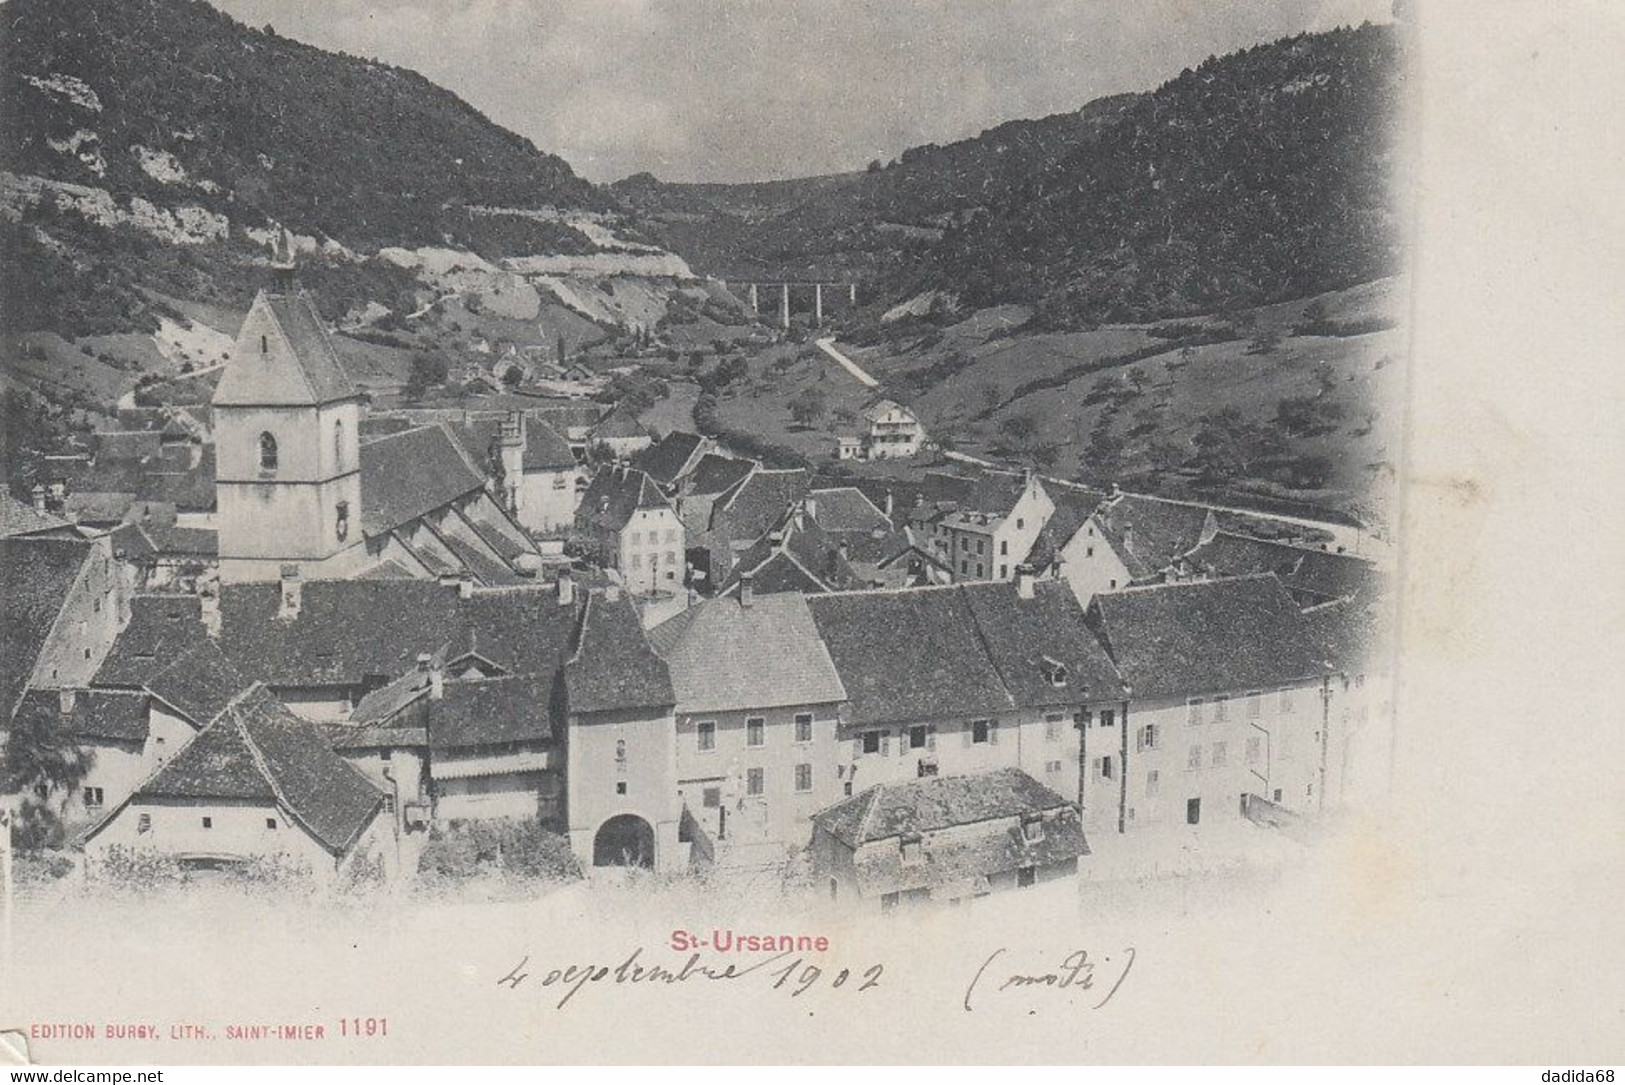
[
  {"x": 512, "y": 377},
  {"x": 808, "y": 406},
  {"x": 428, "y": 371},
  {"x": 41, "y": 760}
]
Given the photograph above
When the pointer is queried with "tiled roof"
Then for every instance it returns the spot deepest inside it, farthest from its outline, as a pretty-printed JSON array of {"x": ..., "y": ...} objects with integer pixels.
[
  {"x": 1209, "y": 636},
  {"x": 21, "y": 518},
  {"x": 664, "y": 460},
  {"x": 619, "y": 422},
  {"x": 409, "y": 474},
  {"x": 933, "y": 803},
  {"x": 716, "y": 474},
  {"x": 614, "y": 667},
  {"x": 545, "y": 448},
  {"x": 199, "y": 684},
  {"x": 908, "y": 655},
  {"x": 726, "y": 656},
  {"x": 879, "y": 409},
  {"x": 614, "y": 494},
  {"x": 495, "y": 712},
  {"x": 182, "y": 542},
  {"x": 962, "y": 863},
  {"x": 98, "y": 715},
  {"x": 348, "y": 631},
  {"x": 98, "y": 506},
  {"x": 1149, "y": 533},
  {"x": 259, "y": 751},
  {"x": 162, "y": 628},
  {"x": 315, "y": 375},
  {"x": 37, "y": 575},
  {"x": 1312, "y": 576},
  {"x": 1352, "y": 633},
  {"x": 1027, "y": 637},
  {"x": 1072, "y": 509},
  {"x": 754, "y": 504},
  {"x": 795, "y": 555},
  {"x": 846, "y": 508}
]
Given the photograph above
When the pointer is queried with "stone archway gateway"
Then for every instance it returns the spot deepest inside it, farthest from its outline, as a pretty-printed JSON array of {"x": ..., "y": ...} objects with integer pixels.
[{"x": 624, "y": 840}]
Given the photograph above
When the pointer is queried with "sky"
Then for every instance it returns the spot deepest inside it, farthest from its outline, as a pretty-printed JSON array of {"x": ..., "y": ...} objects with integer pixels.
[{"x": 746, "y": 90}]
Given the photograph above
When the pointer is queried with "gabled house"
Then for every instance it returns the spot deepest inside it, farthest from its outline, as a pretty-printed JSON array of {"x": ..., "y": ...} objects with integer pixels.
[
  {"x": 990, "y": 528},
  {"x": 888, "y": 430},
  {"x": 621, "y": 433},
  {"x": 635, "y": 528},
  {"x": 757, "y": 710},
  {"x": 795, "y": 555},
  {"x": 965, "y": 679},
  {"x": 260, "y": 784},
  {"x": 1229, "y": 699},
  {"x": 742, "y": 514},
  {"x": 945, "y": 839},
  {"x": 673, "y": 458},
  {"x": 64, "y": 606}
]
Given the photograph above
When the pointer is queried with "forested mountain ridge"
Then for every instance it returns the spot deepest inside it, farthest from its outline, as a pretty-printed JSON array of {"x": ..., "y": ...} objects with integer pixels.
[
  {"x": 1257, "y": 177},
  {"x": 151, "y": 98}
]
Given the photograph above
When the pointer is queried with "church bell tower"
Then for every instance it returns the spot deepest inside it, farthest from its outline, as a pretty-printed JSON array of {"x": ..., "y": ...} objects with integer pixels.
[{"x": 287, "y": 443}]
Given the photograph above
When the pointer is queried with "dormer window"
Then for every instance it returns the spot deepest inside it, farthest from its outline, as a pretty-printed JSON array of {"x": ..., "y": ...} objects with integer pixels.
[
  {"x": 1032, "y": 830},
  {"x": 1055, "y": 672},
  {"x": 267, "y": 452}
]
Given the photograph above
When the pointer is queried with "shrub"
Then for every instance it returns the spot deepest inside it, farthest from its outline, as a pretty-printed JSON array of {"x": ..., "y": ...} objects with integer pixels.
[
  {"x": 139, "y": 869},
  {"x": 524, "y": 850},
  {"x": 41, "y": 867}
]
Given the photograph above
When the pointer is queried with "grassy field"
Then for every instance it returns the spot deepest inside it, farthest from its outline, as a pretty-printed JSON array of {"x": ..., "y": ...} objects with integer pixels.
[{"x": 1316, "y": 383}]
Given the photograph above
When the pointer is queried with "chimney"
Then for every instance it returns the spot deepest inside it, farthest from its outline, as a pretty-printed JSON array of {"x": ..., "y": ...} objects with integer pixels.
[
  {"x": 1025, "y": 581},
  {"x": 465, "y": 586},
  {"x": 888, "y": 508},
  {"x": 209, "y": 609},
  {"x": 567, "y": 587},
  {"x": 747, "y": 589},
  {"x": 38, "y": 494},
  {"x": 612, "y": 593},
  {"x": 431, "y": 676},
  {"x": 291, "y": 593},
  {"x": 810, "y": 506}
]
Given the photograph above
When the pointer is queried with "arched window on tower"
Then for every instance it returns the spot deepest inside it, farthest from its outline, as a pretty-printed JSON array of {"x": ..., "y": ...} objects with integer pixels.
[
  {"x": 338, "y": 444},
  {"x": 267, "y": 452}
]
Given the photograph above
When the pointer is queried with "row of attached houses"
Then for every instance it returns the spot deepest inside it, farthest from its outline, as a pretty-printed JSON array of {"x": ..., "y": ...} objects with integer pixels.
[{"x": 733, "y": 728}]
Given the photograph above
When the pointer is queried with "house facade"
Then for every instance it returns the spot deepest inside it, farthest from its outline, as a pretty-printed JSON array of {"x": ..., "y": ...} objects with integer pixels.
[
  {"x": 258, "y": 784},
  {"x": 757, "y": 719},
  {"x": 989, "y": 533},
  {"x": 636, "y": 530},
  {"x": 1230, "y": 700}
]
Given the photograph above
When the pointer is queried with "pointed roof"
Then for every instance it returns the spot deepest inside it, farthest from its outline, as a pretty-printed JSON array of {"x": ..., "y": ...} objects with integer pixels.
[
  {"x": 259, "y": 751},
  {"x": 305, "y": 373},
  {"x": 725, "y": 655}
]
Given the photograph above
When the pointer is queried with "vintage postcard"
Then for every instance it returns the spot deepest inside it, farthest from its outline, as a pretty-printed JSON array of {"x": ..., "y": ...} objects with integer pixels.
[{"x": 796, "y": 532}]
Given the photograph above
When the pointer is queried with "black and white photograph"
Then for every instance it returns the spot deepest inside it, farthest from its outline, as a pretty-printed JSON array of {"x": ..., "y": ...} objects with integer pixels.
[{"x": 881, "y": 519}]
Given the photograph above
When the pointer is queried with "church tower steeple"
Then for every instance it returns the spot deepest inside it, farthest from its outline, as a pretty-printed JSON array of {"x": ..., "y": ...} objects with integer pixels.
[{"x": 287, "y": 424}]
